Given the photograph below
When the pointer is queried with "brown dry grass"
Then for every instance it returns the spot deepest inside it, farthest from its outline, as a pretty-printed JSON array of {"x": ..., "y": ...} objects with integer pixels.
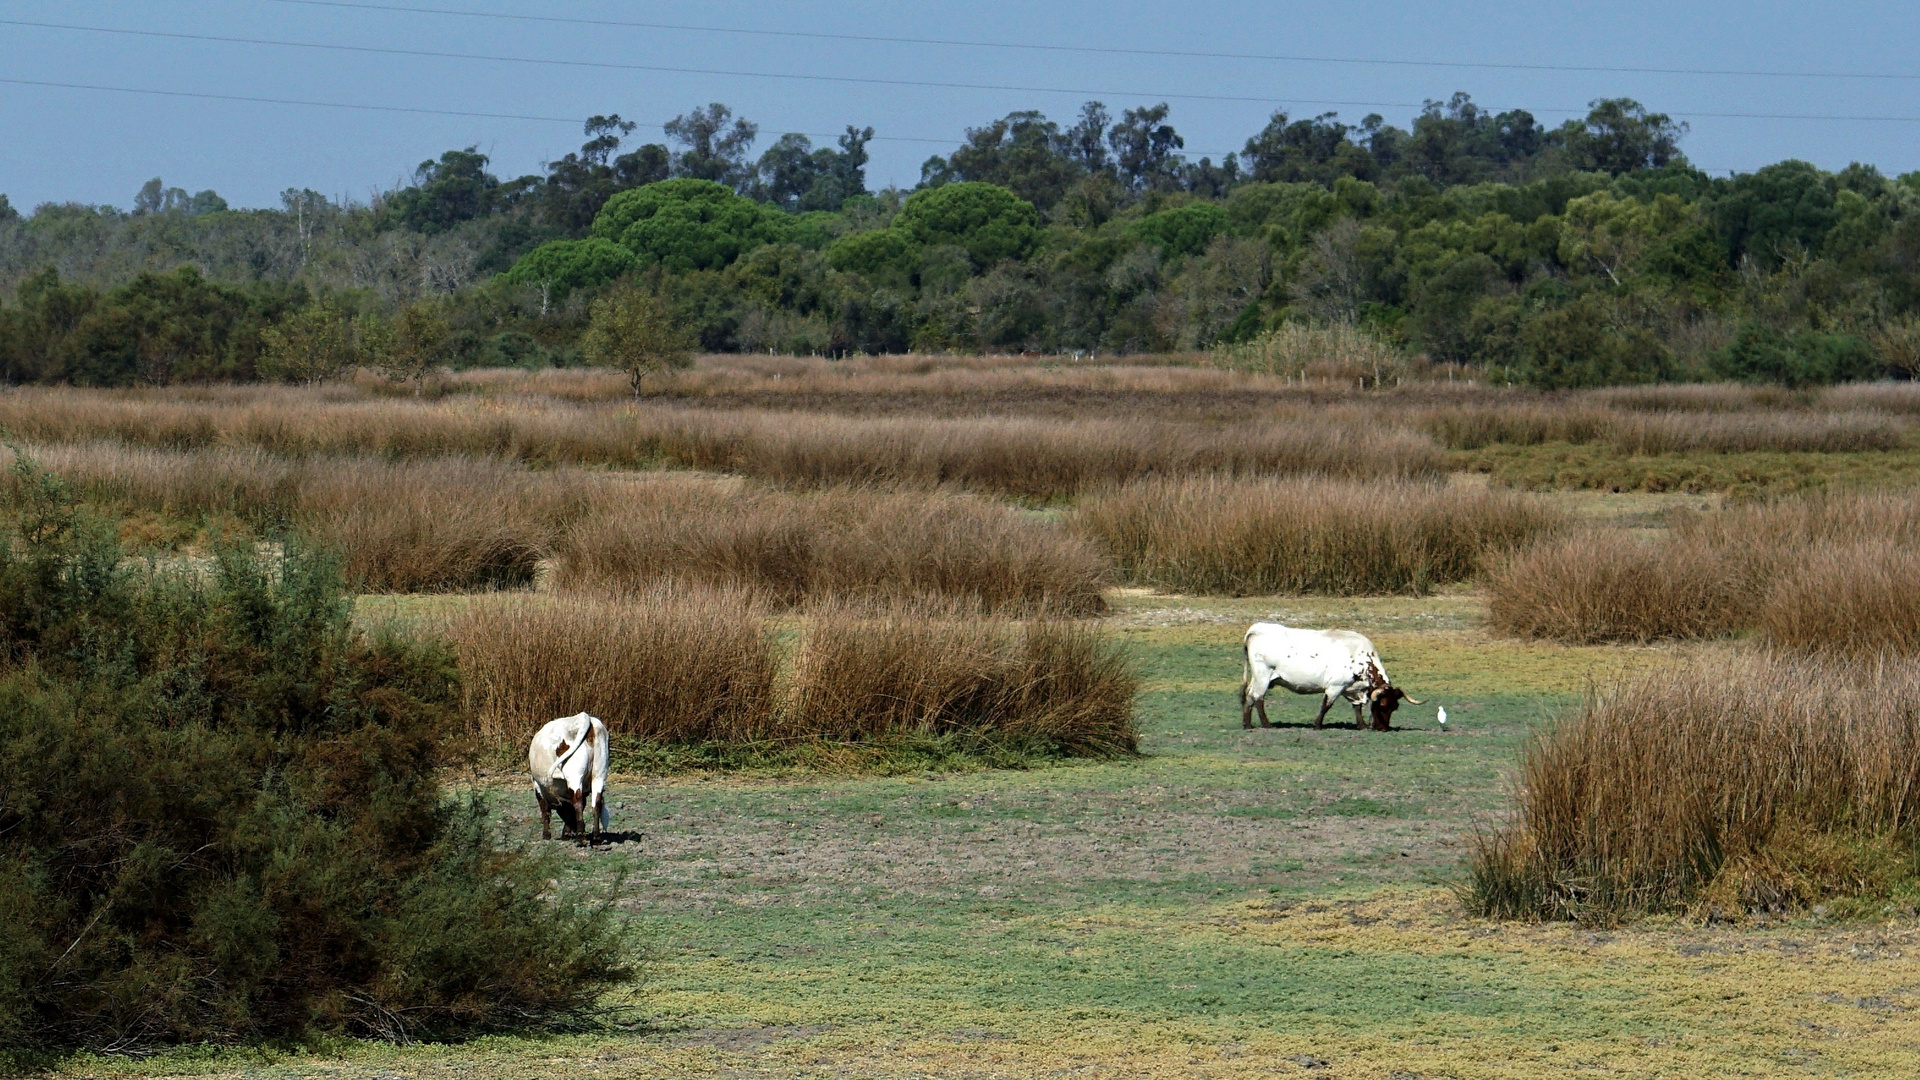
[
  {"x": 1475, "y": 427},
  {"x": 672, "y": 664},
  {"x": 871, "y": 673},
  {"x": 1260, "y": 537},
  {"x": 1608, "y": 586},
  {"x": 1745, "y": 782},
  {"x": 1834, "y": 572},
  {"x": 692, "y": 665},
  {"x": 1852, "y": 598},
  {"x": 841, "y": 542},
  {"x": 1676, "y": 432},
  {"x": 453, "y": 523},
  {"x": 1020, "y": 456},
  {"x": 414, "y": 526}
]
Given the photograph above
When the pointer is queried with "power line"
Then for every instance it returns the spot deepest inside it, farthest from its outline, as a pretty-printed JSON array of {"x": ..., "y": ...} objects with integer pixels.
[
  {"x": 382, "y": 50},
  {"x": 574, "y": 121},
  {"x": 495, "y": 58},
  {"x": 310, "y": 103},
  {"x": 1100, "y": 50}
]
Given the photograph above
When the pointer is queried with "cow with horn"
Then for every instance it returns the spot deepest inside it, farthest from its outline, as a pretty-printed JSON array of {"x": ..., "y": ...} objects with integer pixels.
[{"x": 1334, "y": 663}]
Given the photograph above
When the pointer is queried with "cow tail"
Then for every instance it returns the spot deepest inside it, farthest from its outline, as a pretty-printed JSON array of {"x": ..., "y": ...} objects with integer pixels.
[{"x": 1246, "y": 669}]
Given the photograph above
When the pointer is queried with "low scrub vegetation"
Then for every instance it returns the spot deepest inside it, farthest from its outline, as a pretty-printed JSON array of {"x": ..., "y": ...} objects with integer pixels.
[
  {"x": 838, "y": 543},
  {"x": 1823, "y": 572},
  {"x": 221, "y": 817},
  {"x": 1256, "y": 537},
  {"x": 691, "y": 666},
  {"x": 1753, "y": 782}
]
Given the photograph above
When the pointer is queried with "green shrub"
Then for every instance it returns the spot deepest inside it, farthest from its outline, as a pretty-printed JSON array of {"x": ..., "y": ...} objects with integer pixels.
[
  {"x": 220, "y": 817},
  {"x": 687, "y": 224},
  {"x": 1761, "y": 354},
  {"x": 873, "y": 253},
  {"x": 566, "y": 265},
  {"x": 990, "y": 222},
  {"x": 1183, "y": 230}
]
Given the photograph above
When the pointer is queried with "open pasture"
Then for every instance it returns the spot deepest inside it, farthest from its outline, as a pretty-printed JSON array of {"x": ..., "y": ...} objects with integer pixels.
[
  {"x": 821, "y": 606},
  {"x": 1231, "y": 904}
]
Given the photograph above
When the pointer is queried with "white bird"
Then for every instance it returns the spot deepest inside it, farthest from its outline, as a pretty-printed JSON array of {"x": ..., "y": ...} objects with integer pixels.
[{"x": 1443, "y": 716}]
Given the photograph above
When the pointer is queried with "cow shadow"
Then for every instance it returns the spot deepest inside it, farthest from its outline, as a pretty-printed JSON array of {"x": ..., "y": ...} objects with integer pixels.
[
  {"x": 605, "y": 839},
  {"x": 1331, "y": 725}
]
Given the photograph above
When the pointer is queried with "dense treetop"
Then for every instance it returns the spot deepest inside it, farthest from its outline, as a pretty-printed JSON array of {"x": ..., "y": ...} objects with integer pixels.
[{"x": 1590, "y": 252}]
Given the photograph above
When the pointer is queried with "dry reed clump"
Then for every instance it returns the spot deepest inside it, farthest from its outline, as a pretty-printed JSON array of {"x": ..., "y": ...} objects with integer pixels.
[
  {"x": 1039, "y": 459},
  {"x": 1296, "y": 350},
  {"x": 1024, "y": 457},
  {"x": 1676, "y": 432},
  {"x": 1608, "y": 586},
  {"x": 447, "y": 524},
  {"x": 673, "y": 664},
  {"x": 1744, "y": 782},
  {"x": 843, "y": 542},
  {"x": 1828, "y": 572},
  {"x": 411, "y": 526},
  {"x": 1668, "y": 431},
  {"x": 866, "y": 673},
  {"x": 1476, "y": 427},
  {"x": 1854, "y": 598},
  {"x": 691, "y": 665},
  {"x": 1696, "y": 398},
  {"x": 1888, "y": 397},
  {"x": 1258, "y": 537}
]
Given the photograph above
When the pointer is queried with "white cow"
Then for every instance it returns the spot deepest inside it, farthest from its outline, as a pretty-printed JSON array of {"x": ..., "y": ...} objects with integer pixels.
[
  {"x": 1336, "y": 663},
  {"x": 568, "y": 760}
]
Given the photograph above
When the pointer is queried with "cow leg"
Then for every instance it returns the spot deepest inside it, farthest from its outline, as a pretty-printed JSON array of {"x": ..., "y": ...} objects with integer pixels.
[
  {"x": 1262, "y": 706},
  {"x": 1325, "y": 704},
  {"x": 546, "y": 816},
  {"x": 1359, "y": 716},
  {"x": 1246, "y": 711}
]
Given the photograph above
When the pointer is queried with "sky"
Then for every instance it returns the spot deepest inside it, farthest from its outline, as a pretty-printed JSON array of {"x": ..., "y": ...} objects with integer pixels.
[{"x": 88, "y": 141}]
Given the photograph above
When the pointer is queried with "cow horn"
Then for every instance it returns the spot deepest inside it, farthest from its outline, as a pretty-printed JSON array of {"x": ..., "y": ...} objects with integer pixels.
[{"x": 1411, "y": 700}]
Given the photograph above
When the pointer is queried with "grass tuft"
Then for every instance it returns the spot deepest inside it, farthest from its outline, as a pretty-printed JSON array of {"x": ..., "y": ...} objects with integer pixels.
[{"x": 1760, "y": 782}]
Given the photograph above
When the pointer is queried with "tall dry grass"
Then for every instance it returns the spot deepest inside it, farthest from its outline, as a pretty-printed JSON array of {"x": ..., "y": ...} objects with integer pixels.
[
  {"x": 1611, "y": 586},
  {"x": 672, "y": 664},
  {"x": 1752, "y": 781},
  {"x": 1830, "y": 572},
  {"x": 1475, "y": 427},
  {"x": 869, "y": 673},
  {"x": 837, "y": 543},
  {"x": 1295, "y": 350},
  {"x": 1021, "y": 456},
  {"x": 1853, "y": 598},
  {"x": 413, "y": 526},
  {"x": 452, "y": 523},
  {"x": 1829, "y": 433},
  {"x": 692, "y": 665},
  {"x": 1258, "y": 537}
]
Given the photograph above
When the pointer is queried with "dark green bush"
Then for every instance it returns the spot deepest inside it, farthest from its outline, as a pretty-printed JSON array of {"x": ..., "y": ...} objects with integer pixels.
[
  {"x": 220, "y": 817},
  {"x": 1762, "y": 354}
]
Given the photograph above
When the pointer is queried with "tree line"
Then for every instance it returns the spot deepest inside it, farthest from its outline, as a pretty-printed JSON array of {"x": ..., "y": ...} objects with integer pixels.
[{"x": 1584, "y": 254}]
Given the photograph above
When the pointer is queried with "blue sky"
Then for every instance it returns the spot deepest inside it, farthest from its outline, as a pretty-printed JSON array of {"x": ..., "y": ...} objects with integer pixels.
[{"x": 98, "y": 146}]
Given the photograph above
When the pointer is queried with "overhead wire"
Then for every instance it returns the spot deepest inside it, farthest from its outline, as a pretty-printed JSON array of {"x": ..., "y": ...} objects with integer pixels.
[
  {"x": 1100, "y": 50},
  {"x": 251, "y": 99},
  {"x": 867, "y": 80}
]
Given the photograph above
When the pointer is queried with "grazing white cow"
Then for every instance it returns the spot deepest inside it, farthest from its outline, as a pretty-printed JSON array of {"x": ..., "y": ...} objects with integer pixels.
[
  {"x": 1336, "y": 663},
  {"x": 568, "y": 760}
]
